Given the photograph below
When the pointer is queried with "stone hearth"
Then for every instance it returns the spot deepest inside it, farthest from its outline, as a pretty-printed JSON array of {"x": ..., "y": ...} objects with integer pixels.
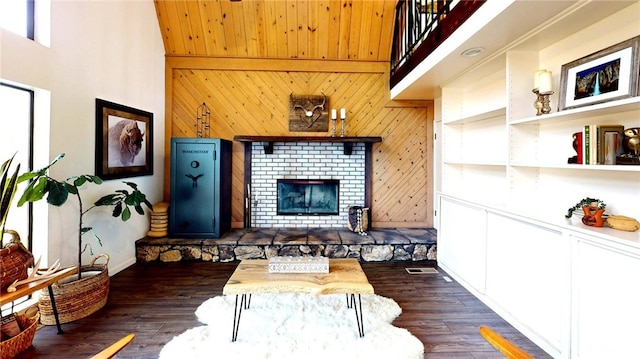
[{"x": 400, "y": 244}]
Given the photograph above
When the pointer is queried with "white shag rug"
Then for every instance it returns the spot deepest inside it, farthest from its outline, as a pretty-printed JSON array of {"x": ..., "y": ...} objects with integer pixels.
[{"x": 283, "y": 326}]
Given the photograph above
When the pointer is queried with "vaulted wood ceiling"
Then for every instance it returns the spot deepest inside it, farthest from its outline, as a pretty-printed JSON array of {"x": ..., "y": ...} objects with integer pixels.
[{"x": 282, "y": 29}]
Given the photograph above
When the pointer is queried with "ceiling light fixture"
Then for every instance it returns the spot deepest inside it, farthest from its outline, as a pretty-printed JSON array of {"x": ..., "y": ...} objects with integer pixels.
[{"x": 474, "y": 51}]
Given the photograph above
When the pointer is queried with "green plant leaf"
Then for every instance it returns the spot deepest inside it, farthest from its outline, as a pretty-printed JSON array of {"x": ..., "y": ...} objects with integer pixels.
[
  {"x": 85, "y": 229},
  {"x": 79, "y": 181},
  {"x": 7, "y": 191},
  {"x": 27, "y": 176},
  {"x": 131, "y": 184},
  {"x": 58, "y": 193},
  {"x": 117, "y": 210},
  {"x": 131, "y": 200},
  {"x": 71, "y": 188},
  {"x": 35, "y": 191},
  {"x": 97, "y": 239},
  {"x": 126, "y": 214},
  {"x": 107, "y": 200},
  {"x": 139, "y": 209},
  {"x": 41, "y": 172}
]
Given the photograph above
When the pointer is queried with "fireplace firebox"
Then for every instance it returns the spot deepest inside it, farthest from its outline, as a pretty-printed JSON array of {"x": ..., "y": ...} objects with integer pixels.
[{"x": 308, "y": 197}]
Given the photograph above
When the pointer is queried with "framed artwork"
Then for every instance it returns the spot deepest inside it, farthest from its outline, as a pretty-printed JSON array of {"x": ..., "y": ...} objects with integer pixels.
[
  {"x": 124, "y": 141},
  {"x": 607, "y": 75}
]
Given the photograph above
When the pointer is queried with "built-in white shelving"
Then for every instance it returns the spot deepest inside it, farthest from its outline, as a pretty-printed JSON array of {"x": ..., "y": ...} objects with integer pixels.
[
  {"x": 506, "y": 184},
  {"x": 607, "y": 108},
  {"x": 499, "y": 112}
]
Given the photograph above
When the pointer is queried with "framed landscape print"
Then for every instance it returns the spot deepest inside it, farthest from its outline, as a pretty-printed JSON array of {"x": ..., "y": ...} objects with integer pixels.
[
  {"x": 607, "y": 75},
  {"x": 124, "y": 141}
]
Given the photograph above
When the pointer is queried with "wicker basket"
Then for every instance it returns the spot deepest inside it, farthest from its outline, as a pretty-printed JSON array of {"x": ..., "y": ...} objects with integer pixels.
[
  {"x": 15, "y": 259},
  {"x": 15, "y": 345},
  {"x": 78, "y": 298}
]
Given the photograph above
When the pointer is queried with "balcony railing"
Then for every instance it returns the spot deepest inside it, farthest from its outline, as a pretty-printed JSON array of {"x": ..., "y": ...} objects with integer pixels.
[{"x": 421, "y": 26}]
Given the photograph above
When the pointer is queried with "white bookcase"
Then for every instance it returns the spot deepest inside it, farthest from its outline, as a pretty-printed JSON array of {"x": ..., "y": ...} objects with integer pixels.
[{"x": 505, "y": 185}]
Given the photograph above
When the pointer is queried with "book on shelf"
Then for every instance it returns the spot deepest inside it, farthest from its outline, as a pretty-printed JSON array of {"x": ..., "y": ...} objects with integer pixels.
[
  {"x": 601, "y": 144},
  {"x": 586, "y": 145},
  {"x": 609, "y": 150}
]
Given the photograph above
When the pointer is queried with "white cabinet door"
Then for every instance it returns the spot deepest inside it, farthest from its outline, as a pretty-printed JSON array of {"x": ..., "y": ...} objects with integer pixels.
[
  {"x": 528, "y": 276},
  {"x": 461, "y": 242},
  {"x": 606, "y": 302}
]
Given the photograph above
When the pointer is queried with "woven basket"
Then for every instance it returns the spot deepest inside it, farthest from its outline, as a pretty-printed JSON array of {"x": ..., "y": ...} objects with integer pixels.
[
  {"x": 78, "y": 298},
  {"x": 15, "y": 345},
  {"x": 15, "y": 258}
]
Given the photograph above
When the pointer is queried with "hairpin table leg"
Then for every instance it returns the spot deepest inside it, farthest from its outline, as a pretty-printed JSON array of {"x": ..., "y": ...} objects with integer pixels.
[{"x": 237, "y": 312}]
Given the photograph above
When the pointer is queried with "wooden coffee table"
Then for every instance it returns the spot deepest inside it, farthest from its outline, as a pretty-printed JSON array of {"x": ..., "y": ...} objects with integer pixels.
[{"x": 252, "y": 277}]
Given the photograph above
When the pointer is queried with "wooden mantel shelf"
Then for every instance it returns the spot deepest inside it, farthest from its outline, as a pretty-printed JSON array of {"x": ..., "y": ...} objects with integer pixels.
[{"x": 268, "y": 147}]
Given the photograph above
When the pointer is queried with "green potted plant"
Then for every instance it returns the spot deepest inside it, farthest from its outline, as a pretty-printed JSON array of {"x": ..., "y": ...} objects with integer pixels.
[
  {"x": 80, "y": 294},
  {"x": 593, "y": 210},
  {"x": 8, "y": 186}
]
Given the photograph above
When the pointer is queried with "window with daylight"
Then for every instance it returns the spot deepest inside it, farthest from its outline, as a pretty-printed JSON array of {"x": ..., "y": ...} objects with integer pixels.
[
  {"x": 17, "y": 16},
  {"x": 16, "y": 121}
]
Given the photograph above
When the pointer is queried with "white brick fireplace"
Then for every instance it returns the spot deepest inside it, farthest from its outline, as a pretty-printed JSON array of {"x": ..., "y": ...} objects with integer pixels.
[{"x": 305, "y": 160}]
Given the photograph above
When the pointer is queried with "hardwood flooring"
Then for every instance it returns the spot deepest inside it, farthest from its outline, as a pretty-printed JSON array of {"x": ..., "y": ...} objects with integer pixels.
[{"x": 156, "y": 301}]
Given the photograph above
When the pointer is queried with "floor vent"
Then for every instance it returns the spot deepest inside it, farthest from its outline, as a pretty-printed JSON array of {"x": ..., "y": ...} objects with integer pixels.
[{"x": 427, "y": 270}]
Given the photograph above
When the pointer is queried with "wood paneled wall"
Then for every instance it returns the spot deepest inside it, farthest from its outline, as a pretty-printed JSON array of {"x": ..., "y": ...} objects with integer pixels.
[{"x": 251, "y": 97}]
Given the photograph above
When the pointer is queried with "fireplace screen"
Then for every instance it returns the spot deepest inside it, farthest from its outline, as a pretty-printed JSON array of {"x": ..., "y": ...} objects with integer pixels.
[{"x": 310, "y": 197}]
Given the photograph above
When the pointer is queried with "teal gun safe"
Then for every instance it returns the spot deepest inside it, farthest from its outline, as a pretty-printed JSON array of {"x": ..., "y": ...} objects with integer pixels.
[{"x": 200, "y": 198}]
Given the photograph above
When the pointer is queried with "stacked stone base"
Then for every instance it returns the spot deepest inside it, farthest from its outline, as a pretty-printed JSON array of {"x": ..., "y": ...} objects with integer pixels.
[{"x": 377, "y": 246}]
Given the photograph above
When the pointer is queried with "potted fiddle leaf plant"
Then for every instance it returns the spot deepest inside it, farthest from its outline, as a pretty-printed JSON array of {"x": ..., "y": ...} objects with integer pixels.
[{"x": 89, "y": 291}]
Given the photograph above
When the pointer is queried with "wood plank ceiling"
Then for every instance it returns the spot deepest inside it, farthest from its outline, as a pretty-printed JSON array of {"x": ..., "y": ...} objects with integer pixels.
[{"x": 291, "y": 29}]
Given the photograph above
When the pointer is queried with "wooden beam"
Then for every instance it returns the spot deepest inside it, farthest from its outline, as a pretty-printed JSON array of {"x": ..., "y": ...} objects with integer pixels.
[{"x": 290, "y": 65}]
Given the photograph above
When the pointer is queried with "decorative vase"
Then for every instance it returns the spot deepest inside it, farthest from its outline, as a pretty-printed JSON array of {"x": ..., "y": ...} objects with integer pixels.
[{"x": 593, "y": 216}]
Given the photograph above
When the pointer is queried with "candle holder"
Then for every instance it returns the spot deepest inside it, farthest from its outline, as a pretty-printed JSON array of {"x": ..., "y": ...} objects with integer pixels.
[
  {"x": 541, "y": 104},
  {"x": 203, "y": 119},
  {"x": 333, "y": 127},
  {"x": 342, "y": 134}
]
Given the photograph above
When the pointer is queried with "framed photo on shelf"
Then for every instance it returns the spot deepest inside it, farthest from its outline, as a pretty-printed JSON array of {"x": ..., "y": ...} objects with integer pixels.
[
  {"x": 124, "y": 141},
  {"x": 607, "y": 75}
]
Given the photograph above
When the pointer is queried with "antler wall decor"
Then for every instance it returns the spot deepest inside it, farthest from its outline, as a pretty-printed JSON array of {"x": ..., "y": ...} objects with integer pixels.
[{"x": 308, "y": 113}]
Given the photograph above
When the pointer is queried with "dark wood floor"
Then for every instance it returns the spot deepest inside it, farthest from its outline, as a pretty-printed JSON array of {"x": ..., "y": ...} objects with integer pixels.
[{"x": 156, "y": 301}]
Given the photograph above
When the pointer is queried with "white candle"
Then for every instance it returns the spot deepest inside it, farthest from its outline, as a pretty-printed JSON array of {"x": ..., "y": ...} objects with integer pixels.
[
  {"x": 545, "y": 82},
  {"x": 343, "y": 113},
  {"x": 334, "y": 114},
  {"x": 536, "y": 79}
]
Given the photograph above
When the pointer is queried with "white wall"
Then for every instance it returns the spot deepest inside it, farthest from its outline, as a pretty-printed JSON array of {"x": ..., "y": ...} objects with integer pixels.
[{"x": 111, "y": 50}]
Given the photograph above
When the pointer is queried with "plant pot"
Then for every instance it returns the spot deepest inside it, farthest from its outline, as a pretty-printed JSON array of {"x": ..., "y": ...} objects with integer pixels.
[
  {"x": 593, "y": 216},
  {"x": 76, "y": 299}
]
